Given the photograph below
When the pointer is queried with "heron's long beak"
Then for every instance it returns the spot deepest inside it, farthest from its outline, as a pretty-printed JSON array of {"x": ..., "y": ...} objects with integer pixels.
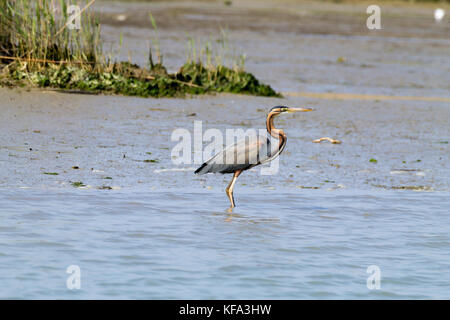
[{"x": 299, "y": 109}]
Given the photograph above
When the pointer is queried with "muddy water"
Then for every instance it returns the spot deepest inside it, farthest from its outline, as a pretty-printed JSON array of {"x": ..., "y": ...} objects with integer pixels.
[{"x": 143, "y": 227}]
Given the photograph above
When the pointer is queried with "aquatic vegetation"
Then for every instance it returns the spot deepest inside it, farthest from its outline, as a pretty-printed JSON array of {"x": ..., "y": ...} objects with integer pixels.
[
  {"x": 37, "y": 49},
  {"x": 191, "y": 79},
  {"x": 411, "y": 188},
  {"x": 151, "y": 161},
  {"x": 78, "y": 184},
  {"x": 308, "y": 187}
]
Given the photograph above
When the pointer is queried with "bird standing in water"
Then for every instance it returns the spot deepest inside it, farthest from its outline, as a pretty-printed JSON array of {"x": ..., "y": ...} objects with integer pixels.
[{"x": 244, "y": 155}]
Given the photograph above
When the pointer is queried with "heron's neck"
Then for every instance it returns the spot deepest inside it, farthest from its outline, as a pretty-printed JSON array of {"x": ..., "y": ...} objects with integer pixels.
[{"x": 274, "y": 132}]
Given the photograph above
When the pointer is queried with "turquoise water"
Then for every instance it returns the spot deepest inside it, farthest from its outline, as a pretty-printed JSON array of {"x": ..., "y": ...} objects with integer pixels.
[{"x": 171, "y": 244}]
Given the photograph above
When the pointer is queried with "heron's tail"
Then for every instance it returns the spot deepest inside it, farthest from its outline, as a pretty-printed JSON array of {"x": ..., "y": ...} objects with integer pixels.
[{"x": 201, "y": 169}]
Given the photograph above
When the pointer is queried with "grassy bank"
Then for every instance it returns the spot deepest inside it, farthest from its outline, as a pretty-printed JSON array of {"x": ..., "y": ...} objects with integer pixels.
[{"x": 39, "y": 48}]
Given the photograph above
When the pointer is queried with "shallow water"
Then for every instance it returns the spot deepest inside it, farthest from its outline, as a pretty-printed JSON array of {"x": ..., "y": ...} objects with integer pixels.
[{"x": 171, "y": 244}]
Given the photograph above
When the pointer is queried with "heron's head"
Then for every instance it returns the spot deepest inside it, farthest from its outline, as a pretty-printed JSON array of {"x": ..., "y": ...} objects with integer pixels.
[{"x": 282, "y": 109}]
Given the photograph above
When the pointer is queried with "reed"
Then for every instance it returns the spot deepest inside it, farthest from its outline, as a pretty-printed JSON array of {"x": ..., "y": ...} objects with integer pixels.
[
  {"x": 35, "y": 32},
  {"x": 37, "y": 48}
]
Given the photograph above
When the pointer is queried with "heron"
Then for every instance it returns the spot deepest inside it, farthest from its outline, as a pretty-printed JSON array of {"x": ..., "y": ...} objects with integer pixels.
[{"x": 250, "y": 154}]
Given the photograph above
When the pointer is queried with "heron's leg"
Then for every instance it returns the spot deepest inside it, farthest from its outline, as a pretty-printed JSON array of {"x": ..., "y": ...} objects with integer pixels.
[{"x": 229, "y": 189}]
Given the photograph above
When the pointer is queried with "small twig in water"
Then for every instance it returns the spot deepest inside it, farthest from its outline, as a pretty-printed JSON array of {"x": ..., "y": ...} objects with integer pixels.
[{"x": 327, "y": 139}]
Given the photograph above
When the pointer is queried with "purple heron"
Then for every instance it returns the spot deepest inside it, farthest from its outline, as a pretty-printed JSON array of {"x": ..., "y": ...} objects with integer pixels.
[{"x": 244, "y": 155}]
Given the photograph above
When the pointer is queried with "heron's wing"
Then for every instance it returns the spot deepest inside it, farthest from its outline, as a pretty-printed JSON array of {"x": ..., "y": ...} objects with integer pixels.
[{"x": 242, "y": 155}]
